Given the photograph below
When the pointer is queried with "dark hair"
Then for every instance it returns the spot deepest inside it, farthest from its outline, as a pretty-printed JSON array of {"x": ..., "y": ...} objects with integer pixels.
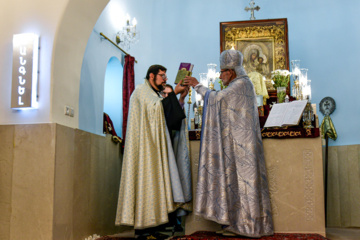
[
  {"x": 168, "y": 85},
  {"x": 154, "y": 69}
]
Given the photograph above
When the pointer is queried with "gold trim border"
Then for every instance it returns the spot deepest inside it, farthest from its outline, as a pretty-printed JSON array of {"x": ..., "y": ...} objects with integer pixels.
[{"x": 277, "y": 32}]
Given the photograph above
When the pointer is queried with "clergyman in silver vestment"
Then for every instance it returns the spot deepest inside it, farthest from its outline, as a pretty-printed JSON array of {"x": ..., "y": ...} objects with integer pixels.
[{"x": 232, "y": 187}]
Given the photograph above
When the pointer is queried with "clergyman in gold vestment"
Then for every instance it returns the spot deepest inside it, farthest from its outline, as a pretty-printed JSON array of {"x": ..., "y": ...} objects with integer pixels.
[{"x": 153, "y": 180}]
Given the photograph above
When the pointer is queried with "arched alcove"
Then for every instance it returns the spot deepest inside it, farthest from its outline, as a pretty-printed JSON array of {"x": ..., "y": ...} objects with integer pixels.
[
  {"x": 92, "y": 82},
  {"x": 113, "y": 93},
  {"x": 73, "y": 32},
  {"x": 97, "y": 55}
]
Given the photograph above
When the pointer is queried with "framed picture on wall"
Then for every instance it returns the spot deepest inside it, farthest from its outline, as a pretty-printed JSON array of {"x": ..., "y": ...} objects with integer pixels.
[{"x": 264, "y": 44}]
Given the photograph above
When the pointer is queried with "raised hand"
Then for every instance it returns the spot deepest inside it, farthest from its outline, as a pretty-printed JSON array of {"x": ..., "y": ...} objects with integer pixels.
[
  {"x": 190, "y": 81},
  {"x": 180, "y": 87}
]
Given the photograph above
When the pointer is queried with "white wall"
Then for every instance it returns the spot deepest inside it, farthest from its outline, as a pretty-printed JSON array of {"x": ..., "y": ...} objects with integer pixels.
[
  {"x": 71, "y": 39},
  {"x": 64, "y": 27},
  {"x": 19, "y": 16}
]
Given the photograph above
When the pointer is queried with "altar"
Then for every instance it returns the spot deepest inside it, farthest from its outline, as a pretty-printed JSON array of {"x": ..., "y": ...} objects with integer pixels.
[{"x": 295, "y": 175}]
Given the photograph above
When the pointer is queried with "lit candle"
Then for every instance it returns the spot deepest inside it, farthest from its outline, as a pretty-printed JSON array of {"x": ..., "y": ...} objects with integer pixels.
[
  {"x": 127, "y": 19},
  {"x": 203, "y": 79},
  {"x": 134, "y": 22},
  {"x": 303, "y": 76}
]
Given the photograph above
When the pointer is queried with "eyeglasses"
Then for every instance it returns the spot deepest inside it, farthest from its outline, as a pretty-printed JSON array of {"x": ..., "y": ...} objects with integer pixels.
[{"x": 163, "y": 76}]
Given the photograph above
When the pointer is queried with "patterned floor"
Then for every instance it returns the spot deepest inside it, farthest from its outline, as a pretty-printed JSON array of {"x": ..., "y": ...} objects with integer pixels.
[{"x": 331, "y": 234}]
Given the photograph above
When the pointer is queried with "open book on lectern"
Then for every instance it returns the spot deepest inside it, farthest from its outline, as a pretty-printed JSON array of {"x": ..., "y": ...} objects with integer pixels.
[{"x": 286, "y": 114}]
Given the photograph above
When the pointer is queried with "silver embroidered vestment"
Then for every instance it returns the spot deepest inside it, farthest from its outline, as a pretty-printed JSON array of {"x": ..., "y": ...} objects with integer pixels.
[{"x": 232, "y": 187}]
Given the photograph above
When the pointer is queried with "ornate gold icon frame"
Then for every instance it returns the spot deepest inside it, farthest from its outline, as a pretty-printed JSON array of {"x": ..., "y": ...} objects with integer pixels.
[{"x": 268, "y": 38}]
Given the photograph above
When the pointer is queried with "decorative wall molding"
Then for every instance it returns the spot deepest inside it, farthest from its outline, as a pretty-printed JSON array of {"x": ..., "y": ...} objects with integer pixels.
[{"x": 309, "y": 193}]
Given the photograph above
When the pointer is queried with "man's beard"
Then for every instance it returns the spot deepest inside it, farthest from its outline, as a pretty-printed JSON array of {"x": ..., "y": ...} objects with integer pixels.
[{"x": 160, "y": 87}]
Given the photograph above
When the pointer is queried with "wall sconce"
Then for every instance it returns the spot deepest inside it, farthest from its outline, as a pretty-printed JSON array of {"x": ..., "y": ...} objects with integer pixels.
[
  {"x": 128, "y": 35},
  {"x": 25, "y": 71}
]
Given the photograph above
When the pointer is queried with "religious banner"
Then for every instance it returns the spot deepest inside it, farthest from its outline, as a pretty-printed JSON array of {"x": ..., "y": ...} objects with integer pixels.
[{"x": 128, "y": 88}]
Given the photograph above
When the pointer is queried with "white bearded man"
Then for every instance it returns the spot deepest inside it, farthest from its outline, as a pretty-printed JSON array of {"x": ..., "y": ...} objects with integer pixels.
[
  {"x": 155, "y": 178},
  {"x": 232, "y": 187}
]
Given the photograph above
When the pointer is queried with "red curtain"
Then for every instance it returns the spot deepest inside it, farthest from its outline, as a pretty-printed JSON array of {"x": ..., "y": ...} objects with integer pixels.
[{"x": 128, "y": 88}]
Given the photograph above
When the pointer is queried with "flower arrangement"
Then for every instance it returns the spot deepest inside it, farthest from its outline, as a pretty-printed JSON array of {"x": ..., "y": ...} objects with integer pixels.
[{"x": 281, "y": 78}]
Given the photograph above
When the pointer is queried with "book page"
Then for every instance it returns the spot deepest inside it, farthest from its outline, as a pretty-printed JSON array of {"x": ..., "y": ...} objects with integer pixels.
[
  {"x": 285, "y": 114},
  {"x": 294, "y": 113},
  {"x": 276, "y": 116}
]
